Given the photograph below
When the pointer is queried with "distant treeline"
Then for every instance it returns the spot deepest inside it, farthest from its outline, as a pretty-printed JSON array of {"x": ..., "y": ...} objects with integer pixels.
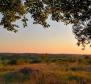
[{"x": 27, "y": 58}]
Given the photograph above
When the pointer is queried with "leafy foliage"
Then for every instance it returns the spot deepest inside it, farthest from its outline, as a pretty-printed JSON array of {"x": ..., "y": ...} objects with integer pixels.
[{"x": 76, "y": 12}]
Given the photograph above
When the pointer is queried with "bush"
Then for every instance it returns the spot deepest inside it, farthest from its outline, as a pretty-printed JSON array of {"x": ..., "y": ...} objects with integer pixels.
[{"x": 12, "y": 62}]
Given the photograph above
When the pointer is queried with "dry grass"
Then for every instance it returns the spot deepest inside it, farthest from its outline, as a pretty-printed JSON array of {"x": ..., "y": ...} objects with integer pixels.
[{"x": 52, "y": 71}]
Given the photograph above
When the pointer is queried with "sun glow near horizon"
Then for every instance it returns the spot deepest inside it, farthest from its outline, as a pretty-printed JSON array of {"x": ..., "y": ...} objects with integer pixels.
[{"x": 56, "y": 39}]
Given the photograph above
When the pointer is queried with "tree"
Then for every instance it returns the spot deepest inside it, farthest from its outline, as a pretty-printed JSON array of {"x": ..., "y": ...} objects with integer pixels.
[{"x": 76, "y": 12}]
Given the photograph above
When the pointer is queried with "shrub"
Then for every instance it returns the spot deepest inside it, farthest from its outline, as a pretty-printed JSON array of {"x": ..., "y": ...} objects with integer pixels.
[{"x": 12, "y": 62}]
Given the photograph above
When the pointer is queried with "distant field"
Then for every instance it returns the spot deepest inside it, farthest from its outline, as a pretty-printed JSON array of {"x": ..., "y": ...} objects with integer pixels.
[{"x": 45, "y": 69}]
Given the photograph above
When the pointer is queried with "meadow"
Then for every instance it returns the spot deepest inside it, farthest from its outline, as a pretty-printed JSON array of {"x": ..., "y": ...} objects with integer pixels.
[{"x": 31, "y": 68}]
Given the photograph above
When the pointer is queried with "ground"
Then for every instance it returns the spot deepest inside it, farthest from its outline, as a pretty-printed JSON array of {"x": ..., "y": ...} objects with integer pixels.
[{"x": 45, "y": 69}]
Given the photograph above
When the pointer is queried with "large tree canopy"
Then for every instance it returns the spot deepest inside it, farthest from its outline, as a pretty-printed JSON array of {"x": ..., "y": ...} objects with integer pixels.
[{"x": 76, "y": 12}]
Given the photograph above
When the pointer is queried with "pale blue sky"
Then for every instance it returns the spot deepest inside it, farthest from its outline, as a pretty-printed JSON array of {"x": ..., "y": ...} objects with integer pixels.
[{"x": 56, "y": 39}]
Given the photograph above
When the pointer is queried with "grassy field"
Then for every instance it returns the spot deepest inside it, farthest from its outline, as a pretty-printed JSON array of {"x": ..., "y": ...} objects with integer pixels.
[{"x": 45, "y": 69}]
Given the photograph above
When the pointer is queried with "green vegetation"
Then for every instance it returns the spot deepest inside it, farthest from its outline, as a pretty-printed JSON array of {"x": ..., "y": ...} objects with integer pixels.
[
  {"x": 75, "y": 12},
  {"x": 45, "y": 69}
]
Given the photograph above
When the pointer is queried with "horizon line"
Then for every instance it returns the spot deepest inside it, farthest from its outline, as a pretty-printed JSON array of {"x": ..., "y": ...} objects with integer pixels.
[{"x": 41, "y": 53}]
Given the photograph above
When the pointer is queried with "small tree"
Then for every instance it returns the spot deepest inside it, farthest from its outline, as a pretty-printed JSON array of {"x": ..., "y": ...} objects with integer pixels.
[{"x": 13, "y": 62}]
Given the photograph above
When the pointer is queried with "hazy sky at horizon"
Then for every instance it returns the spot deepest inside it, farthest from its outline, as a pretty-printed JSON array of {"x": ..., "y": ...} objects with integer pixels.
[{"x": 35, "y": 39}]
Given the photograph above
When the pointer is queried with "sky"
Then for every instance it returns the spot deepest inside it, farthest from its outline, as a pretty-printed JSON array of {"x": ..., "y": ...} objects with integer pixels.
[{"x": 58, "y": 38}]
